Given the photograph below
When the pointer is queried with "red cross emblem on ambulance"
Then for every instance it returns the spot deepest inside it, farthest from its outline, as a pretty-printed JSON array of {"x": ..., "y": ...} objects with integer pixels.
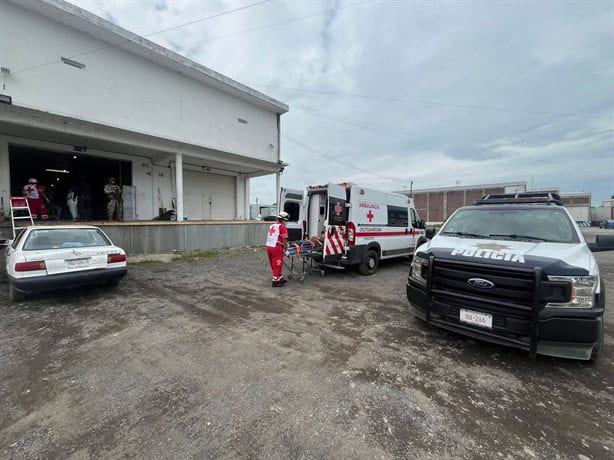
[
  {"x": 370, "y": 216},
  {"x": 338, "y": 209}
]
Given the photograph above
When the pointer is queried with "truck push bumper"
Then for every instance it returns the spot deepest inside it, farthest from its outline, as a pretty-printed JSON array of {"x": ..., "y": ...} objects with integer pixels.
[{"x": 534, "y": 329}]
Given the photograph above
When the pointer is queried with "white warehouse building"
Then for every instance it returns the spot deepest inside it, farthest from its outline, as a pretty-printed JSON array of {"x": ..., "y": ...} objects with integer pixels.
[{"x": 82, "y": 97}]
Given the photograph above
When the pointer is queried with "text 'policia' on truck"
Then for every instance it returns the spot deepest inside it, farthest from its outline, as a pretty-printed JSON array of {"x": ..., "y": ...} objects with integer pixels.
[
  {"x": 358, "y": 226},
  {"x": 515, "y": 270}
]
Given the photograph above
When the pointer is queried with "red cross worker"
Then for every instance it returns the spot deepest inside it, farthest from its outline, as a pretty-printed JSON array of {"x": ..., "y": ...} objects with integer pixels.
[
  {"x": 35, "y": 194},
  {"x": 276, "y": 244}
]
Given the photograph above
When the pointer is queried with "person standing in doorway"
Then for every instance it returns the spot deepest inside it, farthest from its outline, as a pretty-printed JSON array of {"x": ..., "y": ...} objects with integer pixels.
[
  {"x": 276, "y": 244},
  {"x": 35, "y": 194},
  {"x": 72, "y": 203},
  {"x": 114, "y": 197},
  {"x": 84, "y": 199}
]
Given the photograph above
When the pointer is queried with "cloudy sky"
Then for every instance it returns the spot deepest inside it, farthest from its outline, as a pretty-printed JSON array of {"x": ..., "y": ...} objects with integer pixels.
[{"x": 439, "y": 93}]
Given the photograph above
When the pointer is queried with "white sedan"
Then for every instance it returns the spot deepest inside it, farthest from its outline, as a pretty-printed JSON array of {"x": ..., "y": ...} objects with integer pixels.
[{"x": 60, "y": 257}]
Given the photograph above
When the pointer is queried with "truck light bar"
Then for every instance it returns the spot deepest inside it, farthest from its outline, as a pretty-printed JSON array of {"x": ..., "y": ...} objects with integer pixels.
[{"x": 521, "y": 198}]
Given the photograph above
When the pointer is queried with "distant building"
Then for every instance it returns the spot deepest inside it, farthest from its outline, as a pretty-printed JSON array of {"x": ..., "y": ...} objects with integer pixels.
[
  {"x": 603, "y": 212},
  {"x": 578, "y": 204},
  {"x": 437, "y": 204}
]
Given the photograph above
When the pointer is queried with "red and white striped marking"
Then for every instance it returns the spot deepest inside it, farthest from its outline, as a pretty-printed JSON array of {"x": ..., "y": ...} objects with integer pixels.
[{"x": 334, "y": 242}]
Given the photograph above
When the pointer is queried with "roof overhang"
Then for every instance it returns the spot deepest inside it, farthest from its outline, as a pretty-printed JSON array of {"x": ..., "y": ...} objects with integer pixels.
[
  {"x": 25, "y": 123},
  {"x": 88, "y": 23}
]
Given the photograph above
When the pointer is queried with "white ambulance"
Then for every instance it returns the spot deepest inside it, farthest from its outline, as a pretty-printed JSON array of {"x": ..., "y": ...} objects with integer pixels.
[{"x": 357, "y": 225}]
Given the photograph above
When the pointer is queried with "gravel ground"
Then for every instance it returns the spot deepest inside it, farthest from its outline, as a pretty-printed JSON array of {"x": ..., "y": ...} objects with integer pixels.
[{"x": 202, "y": 358}]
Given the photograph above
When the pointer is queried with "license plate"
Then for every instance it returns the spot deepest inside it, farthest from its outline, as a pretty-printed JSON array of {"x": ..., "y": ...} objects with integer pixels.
[
  {"x": 78, "y": 263},
  {"x": 476, "y": 318}
]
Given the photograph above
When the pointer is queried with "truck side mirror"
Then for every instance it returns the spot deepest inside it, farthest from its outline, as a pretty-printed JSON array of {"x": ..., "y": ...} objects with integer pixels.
[
  {"x": 602, "y": 243},
  {"x": 430, "y": 232}
]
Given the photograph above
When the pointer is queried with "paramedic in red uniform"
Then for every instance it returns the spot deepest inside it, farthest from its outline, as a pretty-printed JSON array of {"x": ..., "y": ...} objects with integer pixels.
[
  {"x": 35, "y": 194},
  {"x": 276, "y": 244}
]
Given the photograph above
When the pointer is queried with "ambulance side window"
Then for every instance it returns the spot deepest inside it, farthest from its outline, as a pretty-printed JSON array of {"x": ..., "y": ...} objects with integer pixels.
[
  {"x": 293, "y": 209},
  {"x": 397, "y": 216}
]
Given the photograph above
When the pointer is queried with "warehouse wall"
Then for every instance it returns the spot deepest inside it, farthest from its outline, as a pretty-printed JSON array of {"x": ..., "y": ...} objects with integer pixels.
[
  {"x": 120, "y": 89},
  {"x": 166, "y": 237}
]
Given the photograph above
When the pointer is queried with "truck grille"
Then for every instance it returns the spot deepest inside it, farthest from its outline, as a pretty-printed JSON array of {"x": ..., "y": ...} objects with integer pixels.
[
  {"x": 512, "y": 292},
  {"x": 515, "y": 300}
]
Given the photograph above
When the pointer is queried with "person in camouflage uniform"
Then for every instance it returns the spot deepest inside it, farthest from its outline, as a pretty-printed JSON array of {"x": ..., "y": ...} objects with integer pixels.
[{"x": 114, "y": 197}]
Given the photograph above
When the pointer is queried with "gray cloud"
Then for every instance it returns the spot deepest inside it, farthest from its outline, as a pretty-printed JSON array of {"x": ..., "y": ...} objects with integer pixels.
[{"x": 551, "y": 57}]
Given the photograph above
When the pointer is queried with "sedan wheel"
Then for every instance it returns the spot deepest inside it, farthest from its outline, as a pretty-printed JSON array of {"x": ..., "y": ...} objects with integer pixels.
[{"x": 15, "y": 295}]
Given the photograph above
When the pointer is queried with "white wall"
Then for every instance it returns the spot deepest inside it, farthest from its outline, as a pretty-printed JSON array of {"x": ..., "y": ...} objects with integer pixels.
[
  {"x": 208, "y": 196},
  {"x": 602, "y": 213},
  {"x": 119, "y": 89},
  {"x": 226, "y": 192},
  {"x": 579, "y": 213}
]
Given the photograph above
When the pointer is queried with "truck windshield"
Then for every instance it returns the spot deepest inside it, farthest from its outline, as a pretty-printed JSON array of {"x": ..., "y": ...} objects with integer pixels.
[{"x": 533, "y": 224}]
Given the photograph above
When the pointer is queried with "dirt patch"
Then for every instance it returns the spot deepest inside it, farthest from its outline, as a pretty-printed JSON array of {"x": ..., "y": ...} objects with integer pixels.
[{"x": 202, "y": 358}]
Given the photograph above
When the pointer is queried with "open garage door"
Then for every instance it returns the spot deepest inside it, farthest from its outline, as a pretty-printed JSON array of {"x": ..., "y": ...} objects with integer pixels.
[
  {"x": 60, "y": 172},
  {"x": 208, "y": 196}
]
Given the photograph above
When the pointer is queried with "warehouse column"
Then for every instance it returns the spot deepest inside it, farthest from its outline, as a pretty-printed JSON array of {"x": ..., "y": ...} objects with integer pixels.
[
  {"x": 179, "y": 185},
  {"x": 238, "y": 196},
  {"x": 277, "y": 190},
  {"x": 246, "y": 197},
  {"x": 5, "y": 175}
]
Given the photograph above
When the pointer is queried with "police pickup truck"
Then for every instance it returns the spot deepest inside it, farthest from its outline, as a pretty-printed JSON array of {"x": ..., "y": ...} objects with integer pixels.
[{"x": 515, "y": 270}]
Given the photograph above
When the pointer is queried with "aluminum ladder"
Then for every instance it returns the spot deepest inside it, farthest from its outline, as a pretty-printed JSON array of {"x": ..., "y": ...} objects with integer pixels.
[{"x": 20, "y": 203}]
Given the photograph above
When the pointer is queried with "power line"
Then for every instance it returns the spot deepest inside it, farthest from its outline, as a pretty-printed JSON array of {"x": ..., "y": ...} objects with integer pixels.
[
  {"x": 95, "y": 50},
  {"x": 417, "y": 101},
  {"x": 359, "y": 124},
  {"x": 312, "y": 149},
  {"x": 286, "y": 21}
]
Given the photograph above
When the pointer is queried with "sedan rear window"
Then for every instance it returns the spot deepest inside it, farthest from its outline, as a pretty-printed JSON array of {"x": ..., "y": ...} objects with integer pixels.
[{"x": 64, "y": 238}]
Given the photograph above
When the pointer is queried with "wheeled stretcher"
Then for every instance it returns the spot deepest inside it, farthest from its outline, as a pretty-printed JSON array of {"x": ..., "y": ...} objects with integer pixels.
[{"x": 304, "y": 256}]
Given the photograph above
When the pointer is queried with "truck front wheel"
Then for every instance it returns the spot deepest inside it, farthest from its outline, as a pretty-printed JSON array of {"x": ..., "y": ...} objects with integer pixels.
[
  {"x": 369, "y": 263},
  {"x": 598, "y": 348}
]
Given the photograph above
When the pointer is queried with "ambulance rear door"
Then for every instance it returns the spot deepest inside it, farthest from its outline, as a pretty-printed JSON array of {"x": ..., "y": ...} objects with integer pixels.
[
  {"x": 337, "y": 212},
  {"x": 291, "y": 201}
]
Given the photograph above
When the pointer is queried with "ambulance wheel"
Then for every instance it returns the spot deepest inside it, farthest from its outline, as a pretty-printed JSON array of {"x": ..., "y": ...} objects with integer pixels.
[
  {"x": 15, "y": 295},
  {"x": 369, "y": 263}
]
